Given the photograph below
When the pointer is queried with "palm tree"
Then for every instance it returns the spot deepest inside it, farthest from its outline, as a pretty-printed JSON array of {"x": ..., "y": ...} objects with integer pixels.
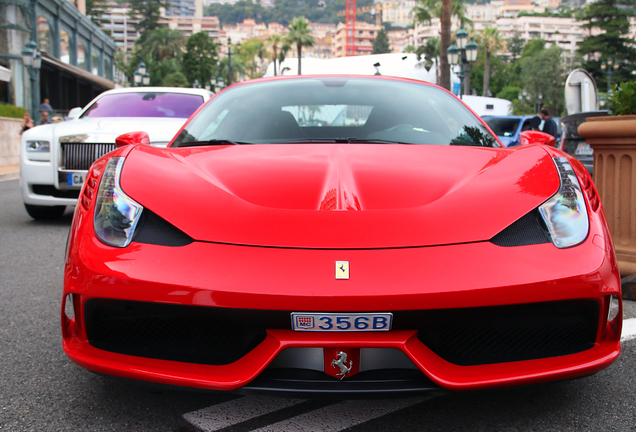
[
  {"x": 273, "y": 43},
  {"x": 300, "y": 35},
  {"x": 425, "y": 11},
  {"x": 163, "y": 43},
  {"x": 492, "y": 42}
]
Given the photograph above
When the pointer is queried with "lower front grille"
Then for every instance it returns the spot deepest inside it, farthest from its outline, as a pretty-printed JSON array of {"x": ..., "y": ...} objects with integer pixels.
[
  {"x": 49, "y": 190},
  {"x": 503, "y": 334},
  {"x": 80, "y": 156},
  {"x": 466, "y": 336},
  {"x": 203, "y": 335}
]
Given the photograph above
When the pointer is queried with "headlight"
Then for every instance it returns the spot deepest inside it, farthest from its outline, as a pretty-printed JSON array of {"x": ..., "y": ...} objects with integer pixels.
[
  {"x": 565, "y": 213},
  {"x": 38, "y": 146},
  {"x": 116, "y": 214},
  {"x": 38, "y": 151}
]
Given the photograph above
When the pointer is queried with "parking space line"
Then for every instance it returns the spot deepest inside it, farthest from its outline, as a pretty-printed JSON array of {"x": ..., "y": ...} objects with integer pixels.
[
  {"x": 341, "y": 416},
  {"x": 237, "y": 411},
  {"x": 629, "y": 329}
]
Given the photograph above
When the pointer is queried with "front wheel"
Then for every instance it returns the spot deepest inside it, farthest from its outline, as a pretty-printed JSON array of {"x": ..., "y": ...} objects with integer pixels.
[{"x": 44, "y": 212}]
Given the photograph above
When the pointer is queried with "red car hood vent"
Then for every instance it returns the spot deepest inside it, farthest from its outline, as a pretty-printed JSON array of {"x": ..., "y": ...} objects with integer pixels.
[{"x": 340, "y": 195}]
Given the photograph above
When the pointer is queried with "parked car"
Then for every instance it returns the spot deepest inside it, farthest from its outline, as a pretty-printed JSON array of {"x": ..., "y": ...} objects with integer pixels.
[
  {"x": 508, "y": 128},
  {"x": 55, "y": 158},
  {"x": 574, "y": 144},
  {"x": 403, "y": 251}
]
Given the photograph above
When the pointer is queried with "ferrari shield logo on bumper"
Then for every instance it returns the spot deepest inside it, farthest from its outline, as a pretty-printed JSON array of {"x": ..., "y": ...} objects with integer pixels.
[{"x": 342, "y": 269}]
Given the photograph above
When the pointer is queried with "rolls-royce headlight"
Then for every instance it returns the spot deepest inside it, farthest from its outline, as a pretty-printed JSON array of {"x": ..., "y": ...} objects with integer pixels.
[
  {"x": 116, "y": 214},
  {"x": 565, "y": 213},
  {"x": 38, "y": 147}
]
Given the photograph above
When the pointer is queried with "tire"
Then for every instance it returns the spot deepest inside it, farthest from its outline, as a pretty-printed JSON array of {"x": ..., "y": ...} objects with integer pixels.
[{"x": 45, "y": 212}]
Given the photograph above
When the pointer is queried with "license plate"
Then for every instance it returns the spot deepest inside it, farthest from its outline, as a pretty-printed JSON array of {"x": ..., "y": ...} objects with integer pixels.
[
  {"x": 75, "y": 179},
  {"x": 337, "y": 322},
  {"x": 583, "y": 149}
]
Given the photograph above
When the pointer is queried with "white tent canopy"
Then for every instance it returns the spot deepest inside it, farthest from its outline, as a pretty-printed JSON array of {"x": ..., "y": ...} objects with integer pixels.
[{"x": 399, "y": 65}]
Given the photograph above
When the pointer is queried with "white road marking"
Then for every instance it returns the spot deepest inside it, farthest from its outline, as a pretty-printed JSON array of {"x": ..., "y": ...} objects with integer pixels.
[
  {"x": 629, "y": 330},
  {"x": 237, "y": 411},
  {"x": 341, "y": 415}
]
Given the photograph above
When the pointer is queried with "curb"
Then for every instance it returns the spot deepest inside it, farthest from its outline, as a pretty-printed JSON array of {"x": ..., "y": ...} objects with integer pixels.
[{"x": 9, "y": 172}]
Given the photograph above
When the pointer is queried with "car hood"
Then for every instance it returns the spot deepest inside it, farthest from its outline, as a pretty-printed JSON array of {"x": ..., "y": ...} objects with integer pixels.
[
  {"x": 105, "y": 130},
  {"x": 340, "y": 195}
]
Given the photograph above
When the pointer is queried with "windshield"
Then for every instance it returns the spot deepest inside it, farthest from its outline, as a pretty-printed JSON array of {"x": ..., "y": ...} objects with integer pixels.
[
  {"x": 506, "y": 127},
  {"x": 335, "y": 109},
  {"x": 145, "y": 104}
]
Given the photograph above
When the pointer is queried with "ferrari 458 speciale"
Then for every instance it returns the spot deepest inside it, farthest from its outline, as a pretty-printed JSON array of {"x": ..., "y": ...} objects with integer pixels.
[{"x": 344, "y": 235}]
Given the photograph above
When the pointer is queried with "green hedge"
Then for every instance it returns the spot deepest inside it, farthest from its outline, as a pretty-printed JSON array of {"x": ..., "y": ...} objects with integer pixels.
[{"x": 11, "y": 111}]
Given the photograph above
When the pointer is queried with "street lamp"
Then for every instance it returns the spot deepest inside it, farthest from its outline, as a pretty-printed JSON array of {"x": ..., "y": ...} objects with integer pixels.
[
  {"x": 32, "y": 59},
  {"x": 607, "y": 69},
  {"x": 141, "y": 77},
  {"x": 196, "y": 84},
  {"x": 229, "y": 58},
  {"x": 463, "y": 54},
  {"x": 524, "y": 97}
]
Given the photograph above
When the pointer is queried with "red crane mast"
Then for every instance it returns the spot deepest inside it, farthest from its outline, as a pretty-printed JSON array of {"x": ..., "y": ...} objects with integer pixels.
[{"x": 350, "y": 19}]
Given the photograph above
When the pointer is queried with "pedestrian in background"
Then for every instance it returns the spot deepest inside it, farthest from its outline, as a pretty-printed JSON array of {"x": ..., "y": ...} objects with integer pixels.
[
  {"x": 549, "y": 126},
  {"x": 27, "y": 123},
  {"x": 45, "y": 106},
  {"x": 45, "y": 118}
]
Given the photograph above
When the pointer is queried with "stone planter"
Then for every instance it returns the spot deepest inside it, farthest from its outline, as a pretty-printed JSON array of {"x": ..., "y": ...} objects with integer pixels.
[
  {"x": 9, "y": 141},
  {"x": 614, "y": 142}
]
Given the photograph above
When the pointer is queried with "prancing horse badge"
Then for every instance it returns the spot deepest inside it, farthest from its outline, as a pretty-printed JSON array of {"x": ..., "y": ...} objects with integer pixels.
[{"x": 342, "y": 269}]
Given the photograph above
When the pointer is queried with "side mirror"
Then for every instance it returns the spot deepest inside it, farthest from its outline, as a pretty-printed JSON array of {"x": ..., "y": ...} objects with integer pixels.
[
  {"x": 132, "y": 138},
  {"x": 536, "y": 137},
  {"x": 74, "y": 113}
]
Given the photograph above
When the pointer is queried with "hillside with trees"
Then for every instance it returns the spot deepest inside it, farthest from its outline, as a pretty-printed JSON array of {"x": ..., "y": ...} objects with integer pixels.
[{"x": 284, "y": 11}]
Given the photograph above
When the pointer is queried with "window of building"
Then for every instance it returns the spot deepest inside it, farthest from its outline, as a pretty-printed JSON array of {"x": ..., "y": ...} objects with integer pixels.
[
  {"x": 65, "y": 52},
  {"x": 45, "y": 37},
  {"x": 81, "y": 55},
  {"x": 95, "y": 65}
]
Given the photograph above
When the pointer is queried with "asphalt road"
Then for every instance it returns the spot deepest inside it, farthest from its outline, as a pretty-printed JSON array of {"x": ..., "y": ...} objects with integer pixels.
[{"x": 41, "y": 390}]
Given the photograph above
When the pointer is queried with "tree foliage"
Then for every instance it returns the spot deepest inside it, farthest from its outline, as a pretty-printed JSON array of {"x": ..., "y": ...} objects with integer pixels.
[
  {"x": 95, "y": 9},
  {"x": 544, "y": 73},
  {"x": 490, "y": 41},
  {"x": 612, "y": 17},
  {"x": 284, "y": 11},
  {"x": 175, "y": 79},
  {"x": 381, "y": 43},
  {"x": 148, "y": 12},
  {"x": 199, "y": 60},
  {"x": 300, "y": 35},
  {"x": 425, "y": 11}
]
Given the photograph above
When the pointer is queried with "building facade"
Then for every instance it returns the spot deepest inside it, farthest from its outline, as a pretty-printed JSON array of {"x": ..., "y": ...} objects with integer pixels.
[
  {"x": 77, "y": 57},
  {"x": 365, "y": 34}
]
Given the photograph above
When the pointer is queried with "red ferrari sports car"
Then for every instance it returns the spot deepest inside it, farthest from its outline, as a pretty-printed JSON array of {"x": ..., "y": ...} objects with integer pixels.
[{"x": 339, "y": 235}]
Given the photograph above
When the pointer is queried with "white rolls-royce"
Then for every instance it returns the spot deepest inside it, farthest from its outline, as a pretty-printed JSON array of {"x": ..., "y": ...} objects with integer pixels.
[{"x": 55, "y": 158}]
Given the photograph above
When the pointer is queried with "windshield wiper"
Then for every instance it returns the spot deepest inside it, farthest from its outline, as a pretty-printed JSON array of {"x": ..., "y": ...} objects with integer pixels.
[{"x": 211, "y": 142}]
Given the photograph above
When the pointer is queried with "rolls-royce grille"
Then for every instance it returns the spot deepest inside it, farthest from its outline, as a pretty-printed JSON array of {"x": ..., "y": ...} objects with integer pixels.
[{"x": 80, "y": 156}]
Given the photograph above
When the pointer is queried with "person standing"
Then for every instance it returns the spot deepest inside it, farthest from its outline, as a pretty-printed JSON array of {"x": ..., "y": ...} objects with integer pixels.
[
  {"x": 27, "y": 123},
  {"x": 549, "y": 126},
  {"x": 45, "y": 106},
  {"x": 45, "y": 118}
]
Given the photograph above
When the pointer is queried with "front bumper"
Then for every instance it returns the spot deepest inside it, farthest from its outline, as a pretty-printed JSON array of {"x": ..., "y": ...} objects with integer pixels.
[{"x": 251, "y": 278}]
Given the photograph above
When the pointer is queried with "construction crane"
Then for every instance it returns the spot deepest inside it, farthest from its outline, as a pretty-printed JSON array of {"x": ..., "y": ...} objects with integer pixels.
[{"x": 350, "y": 13}]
